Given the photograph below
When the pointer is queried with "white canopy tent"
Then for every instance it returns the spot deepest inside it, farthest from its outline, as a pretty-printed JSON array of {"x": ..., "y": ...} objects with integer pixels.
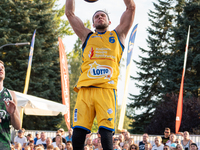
[{"x": 38, "y": 106}]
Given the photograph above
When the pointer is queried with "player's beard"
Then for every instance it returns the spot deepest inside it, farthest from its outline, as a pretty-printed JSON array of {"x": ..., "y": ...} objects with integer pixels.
[{"x": 102, "y": 26}]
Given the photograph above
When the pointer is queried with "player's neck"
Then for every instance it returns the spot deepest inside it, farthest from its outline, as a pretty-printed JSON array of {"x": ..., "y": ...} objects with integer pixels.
[
  {"x": 1, "y": 85},
  {"x": 101, "y": 30}
]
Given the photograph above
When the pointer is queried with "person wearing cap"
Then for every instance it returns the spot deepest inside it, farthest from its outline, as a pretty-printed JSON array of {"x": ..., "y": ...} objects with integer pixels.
[
  {"x": 37, "y": 137},
  {"x": 20, "y": 138},
  {"x": 58, "y": 132},
  {"x": 97, "y": 84},
  {"x": 193, "y": 146},
  {"x": 9, "y": 113},
  {"x": 62, "y": 131}
]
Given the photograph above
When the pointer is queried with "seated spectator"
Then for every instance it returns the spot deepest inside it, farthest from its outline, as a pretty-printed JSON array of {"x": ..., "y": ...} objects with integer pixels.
[
  {"x": 186, "y": 142},
  {"x": 173, "y": 146},
  {"x": 18, "y": 146},
  {"x": 20, "y": 138},
  {"x": 172, "y": 139},
  {"x": 69, "y": 137},
  {"x": 95, "y": 143},
  {"x": 148, "y": 146},
  {"x": 116, "y": 147},
  {"x": 166, "y": 147},
  {"x": 61, "y": 146},
  {"x": 121, "y": 140},
  {"x": 62, "y": 131},
  {"x": 165, "y": 138},
  {"x": 50, "y": 147},
  {"x": 88, "y": 142},
  {"x": 126, "y": 137},
  {"x": 179, "y": 147},
  {"x": 59, "y": 133},
  {"x": 131, "y": 141},
  {"x": 178, "y": 141},
  {"x": 37, "y": 134},
  {"x": 42, "y": 140},
  {"x": 31, "y": 144},
  {"x": 133, "y": 147},
  {"x": 86, "y": 147},
  {"x": 126, "y": 146},
  {"x": 56, "y": 148},
  {"x": 27, "y": 148},
  {"x": 48, "y": 141},
  {"x": 193, "y": 146},
  {"x": 29, "y": 138},
  {"x": 123, "y": 131},
  {"x": 158, "y": 144},
  {"x": 145, "y": 139},
  {"x": 58, "y": 141},
  {"x": 69, "y": 145},
  {"x": 39, "y": 148},
  {"x": 116, "y": 141}
]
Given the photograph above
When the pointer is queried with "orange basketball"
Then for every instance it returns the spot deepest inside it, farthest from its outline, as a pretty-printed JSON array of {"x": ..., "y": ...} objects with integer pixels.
[{"x": 91, "y": 1}]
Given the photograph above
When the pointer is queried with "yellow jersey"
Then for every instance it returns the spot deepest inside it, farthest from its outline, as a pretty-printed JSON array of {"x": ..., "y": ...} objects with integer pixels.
[{"x": 101, "y": 55}]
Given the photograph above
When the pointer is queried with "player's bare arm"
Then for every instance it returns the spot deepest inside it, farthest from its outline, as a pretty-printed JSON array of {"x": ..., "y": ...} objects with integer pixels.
[
  {"x": 126, "y": 20},
  {"x": 76, "y": 23},
  {"x": 14, "y": 113}
]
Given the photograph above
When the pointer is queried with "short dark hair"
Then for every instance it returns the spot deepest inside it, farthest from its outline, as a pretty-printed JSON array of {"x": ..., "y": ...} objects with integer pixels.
[
  {"x": 168, "y": 129},
  {"x": 100, "y": 11},
  {"x": 69, "y": 142}
]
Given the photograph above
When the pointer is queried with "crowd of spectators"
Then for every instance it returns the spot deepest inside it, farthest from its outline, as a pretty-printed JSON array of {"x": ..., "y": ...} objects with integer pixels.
[{"x": 122, "y": 141}]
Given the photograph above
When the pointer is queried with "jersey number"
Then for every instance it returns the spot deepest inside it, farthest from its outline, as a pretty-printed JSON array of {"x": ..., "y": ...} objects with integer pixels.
[{"x": 112, "y": 39}]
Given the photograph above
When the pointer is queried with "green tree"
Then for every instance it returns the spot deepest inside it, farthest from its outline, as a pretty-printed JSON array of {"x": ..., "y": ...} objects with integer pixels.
[
  {"x": 190, "y": 16},
  {"x": 165, "y": 115},
  {"x": 19, "y": 19},
  {"x": 149, "y": 82}
]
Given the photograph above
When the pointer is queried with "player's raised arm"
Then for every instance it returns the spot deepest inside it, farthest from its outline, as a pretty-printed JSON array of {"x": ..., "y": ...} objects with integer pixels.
[
  {"x": 76, "y": 23},
  {"x": 126, "y": 20},
  {"x": 11, "y": 108}
]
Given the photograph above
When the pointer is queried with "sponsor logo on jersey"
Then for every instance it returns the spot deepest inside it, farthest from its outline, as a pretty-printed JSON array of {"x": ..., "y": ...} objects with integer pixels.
[
  {"x": 2, "y": 114},
  {"x": 96, "y": 36},
  {"x": 99, "y": 71},
  {"x": 75, "y": 115},
  {"x": 110, "y": 111}
]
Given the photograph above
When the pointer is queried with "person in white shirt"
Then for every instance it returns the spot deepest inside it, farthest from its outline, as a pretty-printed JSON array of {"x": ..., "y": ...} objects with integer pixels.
[
  {"x": 20, "y": 139},
  {"x": 172, "y": 139},
  {"x": 42, "y": 140},
  {"x": 158, "y": 144}
]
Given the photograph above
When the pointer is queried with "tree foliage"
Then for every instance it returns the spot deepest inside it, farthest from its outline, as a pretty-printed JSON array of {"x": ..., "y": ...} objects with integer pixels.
[
  {"x": 19, "y": 19},
  {"x": 165, "y": 115},
  {"x": 161, "y": 68}
]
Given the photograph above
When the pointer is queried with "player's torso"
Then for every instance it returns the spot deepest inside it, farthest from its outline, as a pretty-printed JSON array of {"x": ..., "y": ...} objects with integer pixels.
[
  {"x": 4, "y": 120},
  {"x": 101, "y": 56}
]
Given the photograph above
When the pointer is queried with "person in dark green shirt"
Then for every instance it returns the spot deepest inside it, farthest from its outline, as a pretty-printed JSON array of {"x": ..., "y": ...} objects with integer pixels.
[{"x": 9, "y": 114}]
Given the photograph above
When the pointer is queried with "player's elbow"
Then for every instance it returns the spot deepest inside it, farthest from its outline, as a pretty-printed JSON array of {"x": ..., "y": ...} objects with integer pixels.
[{"x": 69, "y": 13}]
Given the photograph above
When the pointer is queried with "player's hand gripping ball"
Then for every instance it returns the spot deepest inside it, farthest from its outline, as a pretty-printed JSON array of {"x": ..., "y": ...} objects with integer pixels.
[{"x": 91, "y": 1}]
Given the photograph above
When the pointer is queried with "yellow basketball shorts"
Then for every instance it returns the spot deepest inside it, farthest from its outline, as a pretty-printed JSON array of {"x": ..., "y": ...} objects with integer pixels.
[{"x": 99, "y": 102}]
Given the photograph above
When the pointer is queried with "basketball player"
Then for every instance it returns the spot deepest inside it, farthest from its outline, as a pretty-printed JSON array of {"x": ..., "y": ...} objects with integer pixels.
[
  {"x": 96, "y": 87},
  {"x": 8, "y": 112}
]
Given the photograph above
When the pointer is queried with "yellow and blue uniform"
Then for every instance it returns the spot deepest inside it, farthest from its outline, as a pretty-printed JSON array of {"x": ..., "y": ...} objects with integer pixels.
[{"x": 97, "y": 96}]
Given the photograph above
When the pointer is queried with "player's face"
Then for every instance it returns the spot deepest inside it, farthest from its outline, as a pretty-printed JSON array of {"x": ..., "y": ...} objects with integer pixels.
[
  {"x": 2, "y": 72},
  {"x": 101, "y": 20}
]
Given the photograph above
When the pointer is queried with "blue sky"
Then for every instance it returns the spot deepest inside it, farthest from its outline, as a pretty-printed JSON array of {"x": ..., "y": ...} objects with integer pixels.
[{"x": 115, "y": 8}]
